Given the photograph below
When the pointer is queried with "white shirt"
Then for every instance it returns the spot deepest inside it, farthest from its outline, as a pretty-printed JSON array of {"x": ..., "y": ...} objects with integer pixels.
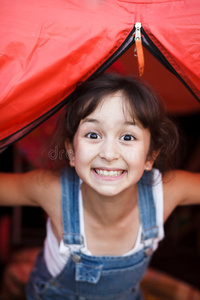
[{"x": 56, "y": 255}]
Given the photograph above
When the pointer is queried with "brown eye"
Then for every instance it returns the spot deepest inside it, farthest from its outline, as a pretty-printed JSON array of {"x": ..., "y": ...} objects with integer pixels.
[
  {"x": 93, "y": 135},
  {"x": 128, "y": 137}
]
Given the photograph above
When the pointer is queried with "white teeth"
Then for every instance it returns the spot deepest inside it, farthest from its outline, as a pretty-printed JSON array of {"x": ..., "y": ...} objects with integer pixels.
[{"x": 108, "y": 173}]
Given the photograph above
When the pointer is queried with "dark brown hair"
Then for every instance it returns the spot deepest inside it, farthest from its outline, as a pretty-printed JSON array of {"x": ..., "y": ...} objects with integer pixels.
[{"x": 145, "y": 108}]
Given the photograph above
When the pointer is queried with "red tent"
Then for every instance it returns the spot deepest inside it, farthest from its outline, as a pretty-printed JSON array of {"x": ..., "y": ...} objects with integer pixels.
[{"x": 46, "y": 47}]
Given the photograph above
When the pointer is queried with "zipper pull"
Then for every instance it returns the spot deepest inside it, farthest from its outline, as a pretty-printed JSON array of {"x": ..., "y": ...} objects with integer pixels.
[{"x": 138, "y": 48}]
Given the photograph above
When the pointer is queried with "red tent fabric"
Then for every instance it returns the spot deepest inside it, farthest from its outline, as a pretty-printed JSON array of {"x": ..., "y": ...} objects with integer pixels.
[{"x": 46, "y": 47}]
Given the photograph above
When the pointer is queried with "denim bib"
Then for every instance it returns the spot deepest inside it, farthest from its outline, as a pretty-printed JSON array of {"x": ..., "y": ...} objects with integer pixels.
[{"x": 86, "y": 277}]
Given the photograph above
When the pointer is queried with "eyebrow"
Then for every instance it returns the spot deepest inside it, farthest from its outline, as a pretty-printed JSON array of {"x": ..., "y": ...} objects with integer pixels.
[
  {"x": 131, "y": 123},
  {"x": 91, "y": 120}
]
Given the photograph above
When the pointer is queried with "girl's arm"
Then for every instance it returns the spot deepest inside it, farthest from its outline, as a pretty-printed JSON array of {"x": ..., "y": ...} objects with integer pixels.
[
  {"x": 31, "y": 188},
  {"x": 180, "y": 188}
]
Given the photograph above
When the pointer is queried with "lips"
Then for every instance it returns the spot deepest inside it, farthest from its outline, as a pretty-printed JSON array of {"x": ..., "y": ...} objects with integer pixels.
[{"x": 108, "y": 173}]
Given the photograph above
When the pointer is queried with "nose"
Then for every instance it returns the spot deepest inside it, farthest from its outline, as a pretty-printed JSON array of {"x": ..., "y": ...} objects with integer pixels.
[{"x": 109, "y": 150}]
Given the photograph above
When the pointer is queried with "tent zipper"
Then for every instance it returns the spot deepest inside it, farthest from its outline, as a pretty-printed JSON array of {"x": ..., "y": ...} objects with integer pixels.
[
  {"x": 135, "y": 36},
  {"x": 138, "y": 48}
]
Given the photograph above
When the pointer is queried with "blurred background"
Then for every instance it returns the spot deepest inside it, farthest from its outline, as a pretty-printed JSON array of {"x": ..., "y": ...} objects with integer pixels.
[{"x": 22, "y": 230}]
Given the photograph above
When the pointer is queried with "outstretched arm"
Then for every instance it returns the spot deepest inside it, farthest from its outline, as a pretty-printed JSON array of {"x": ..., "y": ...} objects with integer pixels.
[{"x": 31, "y": 188}]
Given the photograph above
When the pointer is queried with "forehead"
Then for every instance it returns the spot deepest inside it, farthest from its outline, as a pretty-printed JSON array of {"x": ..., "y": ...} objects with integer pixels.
[{"x": 115, "y": 104}]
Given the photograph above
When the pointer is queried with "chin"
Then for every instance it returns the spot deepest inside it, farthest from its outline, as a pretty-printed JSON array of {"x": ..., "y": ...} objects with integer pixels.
[{"x": 108, "y": 193}]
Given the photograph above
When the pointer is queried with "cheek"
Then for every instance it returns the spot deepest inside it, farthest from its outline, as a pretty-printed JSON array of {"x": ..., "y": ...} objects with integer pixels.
[
  {"x": 83, "y": 152},
  {"x": 135, "y": 155},
  {"x": 79, "y": 154},
  {"x": 78, "y": 148}
]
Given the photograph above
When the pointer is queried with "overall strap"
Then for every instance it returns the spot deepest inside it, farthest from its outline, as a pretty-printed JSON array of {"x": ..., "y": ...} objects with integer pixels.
[
  {"x": 147, "y": 207},
  {"x": 70, "y": 206}
]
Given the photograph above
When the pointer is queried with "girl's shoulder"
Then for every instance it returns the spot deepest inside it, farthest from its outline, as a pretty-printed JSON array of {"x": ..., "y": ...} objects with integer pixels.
[
  {"x": 180, "y": 188},
  {"x": 42, "y": 179},
  {"x": 48, "y": 188},
  {"x": 44, "y": 187},
  {"x": 46, "y": 177}
]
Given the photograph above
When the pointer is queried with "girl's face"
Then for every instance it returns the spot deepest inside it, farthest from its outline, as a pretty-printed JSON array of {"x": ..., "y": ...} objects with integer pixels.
[{"x": 109, "y": 151}]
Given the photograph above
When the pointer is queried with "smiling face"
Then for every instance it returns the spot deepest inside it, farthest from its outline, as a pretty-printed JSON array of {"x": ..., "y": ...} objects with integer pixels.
[{"x": 110, "y": 149}]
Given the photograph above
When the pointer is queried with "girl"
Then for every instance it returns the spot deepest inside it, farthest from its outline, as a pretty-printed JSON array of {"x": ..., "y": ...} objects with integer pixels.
[{"x": 106, "y": 211}]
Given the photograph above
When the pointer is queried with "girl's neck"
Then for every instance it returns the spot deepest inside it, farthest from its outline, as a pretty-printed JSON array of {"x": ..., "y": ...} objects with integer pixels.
[{"x": 109, "y": 209}]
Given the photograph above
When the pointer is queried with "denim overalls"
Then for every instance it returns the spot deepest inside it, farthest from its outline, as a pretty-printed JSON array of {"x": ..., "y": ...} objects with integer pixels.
[{"x": 87, "y": 277}]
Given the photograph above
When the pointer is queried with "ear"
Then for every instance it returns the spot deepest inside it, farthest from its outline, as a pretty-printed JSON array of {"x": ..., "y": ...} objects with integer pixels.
[
  {"x": 150, "y": 160},
  {"x": 70, "y": 152}
]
